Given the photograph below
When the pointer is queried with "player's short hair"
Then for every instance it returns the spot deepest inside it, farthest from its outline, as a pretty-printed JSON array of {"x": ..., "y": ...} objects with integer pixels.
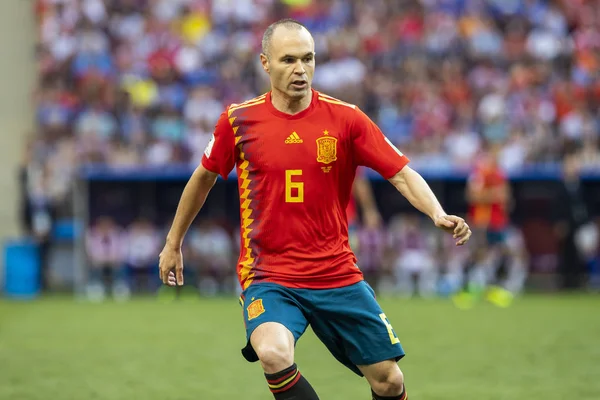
[{"x": 268, "y": 35}]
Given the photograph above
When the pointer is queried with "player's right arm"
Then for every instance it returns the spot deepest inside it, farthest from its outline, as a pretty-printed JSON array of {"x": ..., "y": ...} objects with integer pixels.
[{"x": 218, "y": 159}]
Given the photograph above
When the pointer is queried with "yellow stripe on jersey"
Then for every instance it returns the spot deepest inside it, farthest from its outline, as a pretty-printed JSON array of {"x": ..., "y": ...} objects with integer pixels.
[
  {"x": 247, "y": 263},
  {"x": 256, "y": 101},
  {"x": 335, "y": 101}
]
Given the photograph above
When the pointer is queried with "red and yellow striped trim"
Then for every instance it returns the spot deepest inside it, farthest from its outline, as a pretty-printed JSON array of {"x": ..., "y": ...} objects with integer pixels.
[
  {"x": 284, "y": 383},
  {"x": 246, "y": 211},
  {"x": 333, "y": 100},
  {"x": 253, "y": 102}
]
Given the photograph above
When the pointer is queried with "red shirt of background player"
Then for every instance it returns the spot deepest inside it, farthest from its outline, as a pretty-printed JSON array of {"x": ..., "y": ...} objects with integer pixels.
[
  {"x": 295, "y": 175},
  {"x": 493, "y": 216}
]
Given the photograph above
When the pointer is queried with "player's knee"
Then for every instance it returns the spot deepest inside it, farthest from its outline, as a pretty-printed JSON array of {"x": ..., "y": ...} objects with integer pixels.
[
  {"x": 274, "y": 357},
  {"x": 389, "y": 382}
]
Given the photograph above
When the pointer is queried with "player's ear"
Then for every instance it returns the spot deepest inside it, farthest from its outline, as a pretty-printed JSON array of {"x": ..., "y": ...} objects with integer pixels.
[{"x": 264, "y": 60}]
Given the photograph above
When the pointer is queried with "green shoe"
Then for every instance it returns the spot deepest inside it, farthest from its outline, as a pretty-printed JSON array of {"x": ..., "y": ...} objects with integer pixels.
[
  {"x": 463, "y": 300},
  {"x": 499, "y": 296}
]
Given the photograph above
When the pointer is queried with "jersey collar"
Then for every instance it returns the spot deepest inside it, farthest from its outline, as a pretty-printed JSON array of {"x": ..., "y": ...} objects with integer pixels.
[{"x": 303, "y": 113}]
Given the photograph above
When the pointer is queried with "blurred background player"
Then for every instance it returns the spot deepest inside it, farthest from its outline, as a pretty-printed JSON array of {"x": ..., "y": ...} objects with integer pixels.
[
  {"x": 211, "y": 253},
  {"x": 144, "y": 242},
  {"x": 365, "y": 233},
  {"x": 488, "y": 194},
  {"x": 106, "y": 246},
  {"x": 577, "y": 234},
  {"x": 413, "y": 263}
]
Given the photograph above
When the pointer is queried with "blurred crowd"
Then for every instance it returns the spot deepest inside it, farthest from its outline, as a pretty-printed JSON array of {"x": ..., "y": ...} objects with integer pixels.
[
  {"x": 142, "y": 82},
  {"x": 407, "y": 257},
  {"x": 123, "y": 260}
]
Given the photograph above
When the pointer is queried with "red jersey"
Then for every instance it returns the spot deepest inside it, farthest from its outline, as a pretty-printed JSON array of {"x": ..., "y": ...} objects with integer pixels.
[
  {"x": 492, "y": 215},
  {"x": 295, "y": 175}
]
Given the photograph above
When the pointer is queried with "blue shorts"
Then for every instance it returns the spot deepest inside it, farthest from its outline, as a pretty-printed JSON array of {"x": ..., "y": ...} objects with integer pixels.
[
  {"x": 495, "y": 237},
  {"x": 348, "y": 320}
]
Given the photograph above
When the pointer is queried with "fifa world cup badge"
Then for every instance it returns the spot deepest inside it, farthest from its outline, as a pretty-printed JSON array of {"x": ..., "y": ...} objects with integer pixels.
[
  {"x": 326, "y": 148},
  {"x": 255, "y": 309}
]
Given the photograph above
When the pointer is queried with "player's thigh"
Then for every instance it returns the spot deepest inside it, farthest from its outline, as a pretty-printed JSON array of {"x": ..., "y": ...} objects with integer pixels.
[
  {"x": 274, "y": 320},
  {"x": 351, "y": 323}
]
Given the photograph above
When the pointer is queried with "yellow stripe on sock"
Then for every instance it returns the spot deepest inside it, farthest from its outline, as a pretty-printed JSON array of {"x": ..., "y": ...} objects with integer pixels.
[{"x": 282, "y": 384}]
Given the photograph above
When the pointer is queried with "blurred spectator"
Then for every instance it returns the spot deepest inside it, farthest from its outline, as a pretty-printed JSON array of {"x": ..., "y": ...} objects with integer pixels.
[
  {"x": 413, "y": 261},
  {"x": 38, "y": 212},
  {"x": 106, "y": 247},
  {"x": 571, "y": 216},
  {"x": 144, "y": 244},
  {"x": 211, "y": 255}
]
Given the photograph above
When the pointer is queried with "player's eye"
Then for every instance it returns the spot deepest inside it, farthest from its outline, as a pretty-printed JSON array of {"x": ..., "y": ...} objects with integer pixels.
[
  {"x": 288, "y": 60},
  {"x": 308, "y": 59}
]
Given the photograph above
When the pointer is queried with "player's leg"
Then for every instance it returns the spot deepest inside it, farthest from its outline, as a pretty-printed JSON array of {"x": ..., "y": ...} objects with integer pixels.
[
  {"x": 498, "y": 259},
  {"x": 352, "y": 325},
  {"x": 274, "y": 322},
  {"x": 386, "y": 380},
  {"x": 474, "y": 273}
]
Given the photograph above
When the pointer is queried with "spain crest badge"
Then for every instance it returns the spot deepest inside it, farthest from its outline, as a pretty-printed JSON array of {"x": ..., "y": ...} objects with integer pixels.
[
  {"x": 255, "y": 309},
  {"x": 326, "y": 148}
]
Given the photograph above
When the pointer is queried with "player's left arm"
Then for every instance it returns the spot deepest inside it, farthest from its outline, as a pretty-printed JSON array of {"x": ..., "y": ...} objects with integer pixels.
[{"x": 372, "y": 149}]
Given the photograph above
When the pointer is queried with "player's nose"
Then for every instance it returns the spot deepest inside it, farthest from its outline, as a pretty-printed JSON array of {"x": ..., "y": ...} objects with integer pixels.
[{"x": 299, "y": 68}]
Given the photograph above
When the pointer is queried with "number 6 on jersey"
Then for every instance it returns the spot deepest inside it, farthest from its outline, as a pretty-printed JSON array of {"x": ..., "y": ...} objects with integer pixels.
[{"x": 290, "y": 196}]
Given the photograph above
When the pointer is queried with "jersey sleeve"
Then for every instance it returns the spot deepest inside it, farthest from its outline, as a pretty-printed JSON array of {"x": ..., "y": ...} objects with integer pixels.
[
  {"x": 220, "y": 153},
  {"x": 373, "y": 150}
]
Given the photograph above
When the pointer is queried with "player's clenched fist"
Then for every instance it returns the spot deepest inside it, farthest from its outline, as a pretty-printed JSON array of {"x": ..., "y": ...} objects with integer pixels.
[
  {"x": 170, "y": 266},
  {"x": 455, "y": 225}
]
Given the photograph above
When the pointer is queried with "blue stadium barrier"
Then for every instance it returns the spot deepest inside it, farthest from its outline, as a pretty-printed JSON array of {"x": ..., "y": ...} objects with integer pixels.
[
  {"x": 21, "y": 269},
  {"x": 548, "y": 171}
]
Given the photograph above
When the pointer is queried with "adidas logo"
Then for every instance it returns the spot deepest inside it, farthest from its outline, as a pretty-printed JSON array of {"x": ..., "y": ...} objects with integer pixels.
[{"x": 293, "y": 138}]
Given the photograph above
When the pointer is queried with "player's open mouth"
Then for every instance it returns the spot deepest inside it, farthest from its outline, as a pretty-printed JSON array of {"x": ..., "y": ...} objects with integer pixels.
[{"x": 299, "y": 84}]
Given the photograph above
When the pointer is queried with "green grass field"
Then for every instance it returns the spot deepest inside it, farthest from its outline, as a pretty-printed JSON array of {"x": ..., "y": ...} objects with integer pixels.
[{"x": 541, "y": 348}]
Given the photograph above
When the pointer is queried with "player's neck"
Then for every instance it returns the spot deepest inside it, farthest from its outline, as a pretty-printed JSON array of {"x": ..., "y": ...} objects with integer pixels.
[{"x": 288, "y": 105}]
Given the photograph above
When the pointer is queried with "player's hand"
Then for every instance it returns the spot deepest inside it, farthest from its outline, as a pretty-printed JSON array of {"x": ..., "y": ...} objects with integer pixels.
[
  {"x": 455, "y": 225},
  {"x": 170, "y": 266}
]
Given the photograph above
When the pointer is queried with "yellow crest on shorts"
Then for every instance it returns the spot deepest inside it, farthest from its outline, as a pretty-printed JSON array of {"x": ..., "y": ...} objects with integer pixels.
[
  {"x": 326, "y": 148},
  {"x": 255, "y": 309}
]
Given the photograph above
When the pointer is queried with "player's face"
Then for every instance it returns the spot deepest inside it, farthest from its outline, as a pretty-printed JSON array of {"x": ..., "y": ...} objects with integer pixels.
[{"x": 291, "y": 62}]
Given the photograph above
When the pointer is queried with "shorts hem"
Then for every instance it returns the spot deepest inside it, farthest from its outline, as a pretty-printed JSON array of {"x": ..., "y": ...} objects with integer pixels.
[{"x": 248, "y": 351}]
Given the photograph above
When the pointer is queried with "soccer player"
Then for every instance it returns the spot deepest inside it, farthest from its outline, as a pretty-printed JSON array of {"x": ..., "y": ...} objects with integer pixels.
[
  {"x": 296, "y": 151},
  {"x": 364, "y": 198},
  {"x": 489, "y": 195}
]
